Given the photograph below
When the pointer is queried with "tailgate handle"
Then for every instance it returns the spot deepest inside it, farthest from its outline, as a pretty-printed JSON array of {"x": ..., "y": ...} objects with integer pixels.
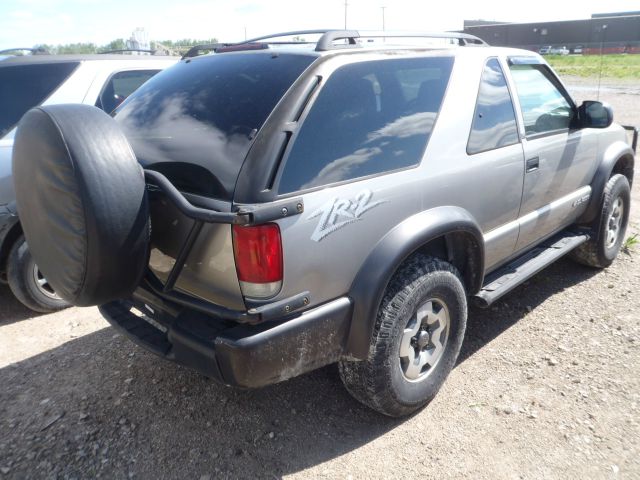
[{"x": 533, "y": 164}]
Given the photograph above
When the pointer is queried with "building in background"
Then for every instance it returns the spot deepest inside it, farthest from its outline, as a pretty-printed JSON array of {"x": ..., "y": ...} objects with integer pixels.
[
  {"x": 603, "y": 32},
  {"x": 139, "y": 40}
]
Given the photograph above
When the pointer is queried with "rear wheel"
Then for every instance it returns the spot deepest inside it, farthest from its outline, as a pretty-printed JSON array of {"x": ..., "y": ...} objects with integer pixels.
[
  {"x": 602, "y": 250},
  {"x": 27, "y": 282},
  {"x": 416, "y": 340}
]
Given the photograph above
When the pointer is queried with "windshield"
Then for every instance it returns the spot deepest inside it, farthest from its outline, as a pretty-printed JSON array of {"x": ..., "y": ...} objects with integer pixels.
[
  {"x": 26, "y": 86},
  {"x": 195, "y": 121}
]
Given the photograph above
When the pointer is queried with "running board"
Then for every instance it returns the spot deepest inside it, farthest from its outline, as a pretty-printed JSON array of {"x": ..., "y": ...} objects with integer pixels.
[{"x": 508, "y": 277}]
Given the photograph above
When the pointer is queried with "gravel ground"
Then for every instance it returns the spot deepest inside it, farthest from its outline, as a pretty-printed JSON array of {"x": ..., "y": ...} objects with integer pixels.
[{"x": 547, "y": 386}]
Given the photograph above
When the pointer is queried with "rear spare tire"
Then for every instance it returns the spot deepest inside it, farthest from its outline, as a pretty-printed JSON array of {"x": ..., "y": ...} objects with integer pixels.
[{"x": 82, "y": 202}]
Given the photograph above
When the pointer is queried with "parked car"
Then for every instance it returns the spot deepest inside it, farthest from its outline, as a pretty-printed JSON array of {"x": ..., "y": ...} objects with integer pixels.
[
  {"x": 545, "y": 50},
  {"x": 31, "y": 80},
  {"x": 559, "y": 51},
  {"x": 578, "y": 49},
  {"x": 340, "y": 203}
]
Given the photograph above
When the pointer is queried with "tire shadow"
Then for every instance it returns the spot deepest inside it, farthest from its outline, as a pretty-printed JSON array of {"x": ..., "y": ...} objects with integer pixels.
[
  {"x": 101, "y": 406},
  {"x": 11, "y": 310},
  {"x": 483, "y": 325}
]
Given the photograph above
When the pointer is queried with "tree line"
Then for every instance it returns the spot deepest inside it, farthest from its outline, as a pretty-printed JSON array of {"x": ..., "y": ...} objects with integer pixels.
[{"x": 175, "y": 47}]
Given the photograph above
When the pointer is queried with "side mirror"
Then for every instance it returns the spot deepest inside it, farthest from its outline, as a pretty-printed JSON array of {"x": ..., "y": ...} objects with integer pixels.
[{"x": 595, "y": 114}]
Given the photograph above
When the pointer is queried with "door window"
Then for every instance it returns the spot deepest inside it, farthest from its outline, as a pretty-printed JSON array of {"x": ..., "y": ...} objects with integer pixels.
[
  {"x": 370, "y": 117},
  {"x": 544, "y": 107},
  {"x": 494, "y": 121}
]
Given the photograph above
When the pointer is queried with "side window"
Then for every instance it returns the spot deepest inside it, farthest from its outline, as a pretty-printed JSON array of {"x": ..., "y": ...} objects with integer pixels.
[
  {"x": 119, "y": 86},
  {"x": 369, "y": 118},
  {"x": 494, "y": 121},
  {"x": 544, "y": 107}
]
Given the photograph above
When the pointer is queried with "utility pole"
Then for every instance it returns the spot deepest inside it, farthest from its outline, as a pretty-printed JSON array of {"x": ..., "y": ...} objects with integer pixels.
[
  {"x": 383, "y": 17},
  {"x": 345, "y": 14}
]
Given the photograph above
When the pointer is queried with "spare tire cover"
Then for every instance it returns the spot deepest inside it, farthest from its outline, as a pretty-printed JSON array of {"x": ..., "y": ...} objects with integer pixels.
[{"x": 82, "y": 202}]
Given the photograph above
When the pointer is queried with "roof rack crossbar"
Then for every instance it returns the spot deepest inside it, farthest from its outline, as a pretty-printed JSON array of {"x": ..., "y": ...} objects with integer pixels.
[
  {"x": 295, "y": 33},
  {"x": 326, "y": 41},
  {"x": 196, "y": 49}
]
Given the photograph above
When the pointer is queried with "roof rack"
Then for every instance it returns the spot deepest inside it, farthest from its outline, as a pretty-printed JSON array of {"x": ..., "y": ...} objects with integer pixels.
[
  {"x": 34, "y": 51},
  {"x": 327, "y": 39}
]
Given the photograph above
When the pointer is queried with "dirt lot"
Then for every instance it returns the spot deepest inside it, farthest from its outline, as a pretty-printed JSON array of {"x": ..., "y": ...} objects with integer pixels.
[{"x": 547, "y": 386}]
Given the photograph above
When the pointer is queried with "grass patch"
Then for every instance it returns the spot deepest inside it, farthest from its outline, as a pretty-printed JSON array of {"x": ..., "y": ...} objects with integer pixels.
[
  {"x": 613, "y": 66},
  {"x": 629, "y": 243}
]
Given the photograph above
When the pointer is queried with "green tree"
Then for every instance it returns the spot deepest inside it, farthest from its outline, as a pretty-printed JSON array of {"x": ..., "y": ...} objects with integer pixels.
[
  {"x": 118, "y": 44},
  {"x": 175, "y": 47}
]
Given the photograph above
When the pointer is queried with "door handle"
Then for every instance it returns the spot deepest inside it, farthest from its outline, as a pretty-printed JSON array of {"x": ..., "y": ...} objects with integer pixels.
[{"x": 533, "y": 164}]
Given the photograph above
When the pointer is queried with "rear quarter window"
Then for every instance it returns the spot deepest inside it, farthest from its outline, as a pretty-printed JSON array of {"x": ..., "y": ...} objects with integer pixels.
[
  {"x": 494, "y": 121},
  {"x": 120, "y": 85},
  {"x": 369, "y": 118},
  {"x": 26, "y": 86}
]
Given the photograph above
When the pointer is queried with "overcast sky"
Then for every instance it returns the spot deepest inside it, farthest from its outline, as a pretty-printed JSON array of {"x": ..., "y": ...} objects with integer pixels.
[{"x": 24, "y": 23}]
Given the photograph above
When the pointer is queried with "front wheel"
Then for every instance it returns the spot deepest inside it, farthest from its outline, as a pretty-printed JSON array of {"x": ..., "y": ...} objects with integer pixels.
[
  {"x": 27, "y": 282},
  {"x": 602, "y": 250},
  {"x": 416, "y": 340}
]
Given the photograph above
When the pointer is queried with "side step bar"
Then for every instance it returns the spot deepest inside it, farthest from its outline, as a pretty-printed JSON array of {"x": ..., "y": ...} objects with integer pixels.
[{"x": 508, "y": 277}]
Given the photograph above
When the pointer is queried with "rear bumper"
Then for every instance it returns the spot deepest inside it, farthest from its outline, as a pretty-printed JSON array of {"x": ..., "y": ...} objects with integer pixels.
[{"x": 246, "y": 356}]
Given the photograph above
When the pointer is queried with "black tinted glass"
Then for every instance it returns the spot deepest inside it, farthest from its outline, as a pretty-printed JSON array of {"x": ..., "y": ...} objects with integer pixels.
[
  {"x": 494, "y": 123},
  {"x": 120, "y": 86},
  {"x": 26, "y": 86},
  {"x": 370, "y": 117},
  {"x": 194, "y": 122}
]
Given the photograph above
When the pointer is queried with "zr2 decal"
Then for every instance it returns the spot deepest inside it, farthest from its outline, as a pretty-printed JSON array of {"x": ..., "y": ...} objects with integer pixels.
[{"x": 338, "y": 213}]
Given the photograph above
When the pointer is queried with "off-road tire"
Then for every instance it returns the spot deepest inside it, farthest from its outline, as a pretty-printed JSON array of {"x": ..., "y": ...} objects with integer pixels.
[
  {"x": 20, "y": 265},
  {"x": 595, "y": 252},
  {"x": 378, "y": 381}
]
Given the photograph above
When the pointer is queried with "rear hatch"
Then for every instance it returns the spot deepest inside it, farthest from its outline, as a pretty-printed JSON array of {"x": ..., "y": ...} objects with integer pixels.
[{"x": 195, "y": 123}]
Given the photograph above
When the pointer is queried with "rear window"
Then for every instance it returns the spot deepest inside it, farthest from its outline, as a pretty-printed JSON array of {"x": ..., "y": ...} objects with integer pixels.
[
  {"x": 370, "y": 118},
  {"x": 194, "y": 122},
  {"x": 26, "y": 86}
]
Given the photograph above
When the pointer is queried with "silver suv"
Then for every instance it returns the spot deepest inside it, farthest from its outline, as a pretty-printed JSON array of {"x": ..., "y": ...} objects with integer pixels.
[
  {"x": 27, "y": 81},
  {"x": 271, "y": 208}
]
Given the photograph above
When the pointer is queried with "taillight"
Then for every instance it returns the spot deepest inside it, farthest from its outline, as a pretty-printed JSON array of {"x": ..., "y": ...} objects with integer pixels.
[{"x": 258, "y": 255}]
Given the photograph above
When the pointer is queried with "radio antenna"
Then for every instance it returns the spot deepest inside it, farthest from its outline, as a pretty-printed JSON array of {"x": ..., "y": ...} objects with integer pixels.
[{"x": 604, "y": 29}]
